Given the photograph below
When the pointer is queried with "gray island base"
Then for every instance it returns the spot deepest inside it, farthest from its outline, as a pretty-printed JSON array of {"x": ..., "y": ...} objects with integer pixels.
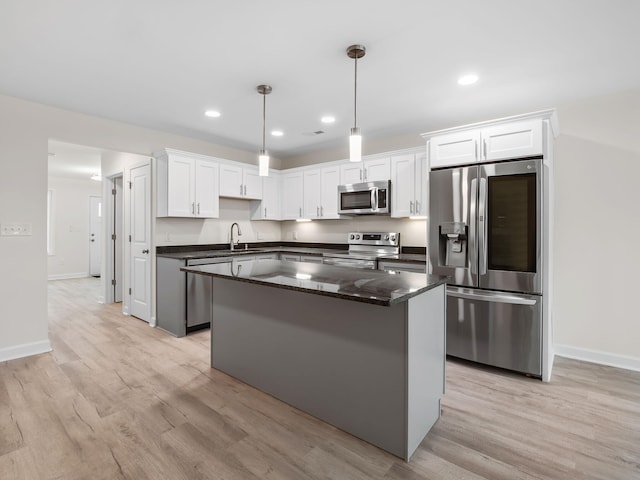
[{"x": 361, "y": 350}]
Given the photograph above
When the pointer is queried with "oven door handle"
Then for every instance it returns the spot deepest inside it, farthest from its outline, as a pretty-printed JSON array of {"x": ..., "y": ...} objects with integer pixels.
[{"x": 490, "y": 297}]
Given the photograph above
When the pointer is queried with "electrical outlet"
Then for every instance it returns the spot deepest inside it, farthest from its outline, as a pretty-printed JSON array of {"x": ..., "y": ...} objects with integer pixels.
[{"x": 15, "y": 229}]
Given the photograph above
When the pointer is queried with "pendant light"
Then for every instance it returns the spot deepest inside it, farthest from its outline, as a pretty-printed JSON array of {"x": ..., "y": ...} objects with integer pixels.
[
  {"x": 263, "y": 157},
  {"x": 355, "y": 139}
]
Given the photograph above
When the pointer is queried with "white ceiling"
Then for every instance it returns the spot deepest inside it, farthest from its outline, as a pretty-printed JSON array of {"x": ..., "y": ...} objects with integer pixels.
[{"x": 161, "y": 64}]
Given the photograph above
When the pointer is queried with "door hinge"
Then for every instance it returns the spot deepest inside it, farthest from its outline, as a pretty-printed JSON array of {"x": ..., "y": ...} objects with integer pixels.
[
  {"x": 130, "y": 185},
  {"x": 113, "y": 191},
  {"x": 113, "y": 236},
  {"x": 113, "y": 282},
  {"x": 129, "y": 238},
  {"x": 129, "y": 291}
]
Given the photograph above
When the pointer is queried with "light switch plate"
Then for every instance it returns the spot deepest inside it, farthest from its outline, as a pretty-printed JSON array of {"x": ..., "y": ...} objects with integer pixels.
[{"x": 15, "y": 229}]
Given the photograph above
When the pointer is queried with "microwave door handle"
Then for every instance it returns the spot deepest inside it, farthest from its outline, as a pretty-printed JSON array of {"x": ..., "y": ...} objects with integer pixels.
[
  {"x": 374, "y": 199},
  {"x": 482, "y": 226},
  {"x": 473, "y": 247}
]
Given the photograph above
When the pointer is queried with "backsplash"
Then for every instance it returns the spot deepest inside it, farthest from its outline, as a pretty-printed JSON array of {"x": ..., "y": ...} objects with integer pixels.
[{"x": 192, "y": 231}]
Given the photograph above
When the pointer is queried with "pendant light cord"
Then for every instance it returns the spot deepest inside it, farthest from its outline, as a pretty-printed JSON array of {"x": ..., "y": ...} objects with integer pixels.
[
  {"x": 264, "y": 118},
  {"x": 355, "y": 94}
]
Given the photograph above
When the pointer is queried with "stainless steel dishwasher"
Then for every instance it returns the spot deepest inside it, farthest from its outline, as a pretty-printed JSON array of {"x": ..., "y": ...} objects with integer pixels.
[{"x": 199, "y": 295}]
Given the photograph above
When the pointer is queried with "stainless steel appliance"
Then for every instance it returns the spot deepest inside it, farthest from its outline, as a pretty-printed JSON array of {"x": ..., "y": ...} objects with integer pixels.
[
  {"x": 364, "y": 249},
  {"x": 368, "y": 198},
  {"x": 486, "y": 235}
]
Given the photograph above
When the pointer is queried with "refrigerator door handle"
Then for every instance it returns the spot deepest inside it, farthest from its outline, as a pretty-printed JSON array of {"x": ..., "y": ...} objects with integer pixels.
[
  {"x": 482, "y": 226},
  {"x": 490, "y": 297},
  {"x": 473, "y": 248}
]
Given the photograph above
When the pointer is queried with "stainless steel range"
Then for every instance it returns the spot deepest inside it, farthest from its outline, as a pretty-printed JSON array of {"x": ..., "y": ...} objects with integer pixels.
[{"x": 364, "y": 249}]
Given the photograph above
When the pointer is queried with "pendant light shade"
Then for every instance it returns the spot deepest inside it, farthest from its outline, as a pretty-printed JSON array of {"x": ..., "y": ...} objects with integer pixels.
[
  {"x": 263, "y": 157},
  {"x": 355, "y": 139}
]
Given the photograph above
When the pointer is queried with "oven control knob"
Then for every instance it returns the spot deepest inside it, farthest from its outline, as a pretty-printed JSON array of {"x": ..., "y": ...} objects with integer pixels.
[
  {"x": 386, "y": 237},
  {"x": 357, "y": 237},
  {"x": 393, "y": 238},
  {"x": 352, "y": 236}
]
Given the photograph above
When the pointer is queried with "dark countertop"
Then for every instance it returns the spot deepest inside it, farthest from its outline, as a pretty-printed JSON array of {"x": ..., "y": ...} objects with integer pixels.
[
  {"x": 213, "y": 253},
  {"x": 360, "y": 285}
]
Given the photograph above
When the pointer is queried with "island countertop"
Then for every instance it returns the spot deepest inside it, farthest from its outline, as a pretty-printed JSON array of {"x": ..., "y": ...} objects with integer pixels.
[{"x": 361, "y": 285}]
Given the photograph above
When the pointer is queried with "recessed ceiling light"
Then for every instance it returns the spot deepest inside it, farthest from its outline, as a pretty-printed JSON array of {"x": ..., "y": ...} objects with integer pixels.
[
  {"x": 328, "y": 119},
  {"x": 212, "y": 113},
  {"x": 277, "y": 133},
  {"x": 468, "y": 79}
]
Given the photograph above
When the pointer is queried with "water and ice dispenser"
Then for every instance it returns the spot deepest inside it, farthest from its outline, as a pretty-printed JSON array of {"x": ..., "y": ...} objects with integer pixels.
[{"x": 453, "y": 244}]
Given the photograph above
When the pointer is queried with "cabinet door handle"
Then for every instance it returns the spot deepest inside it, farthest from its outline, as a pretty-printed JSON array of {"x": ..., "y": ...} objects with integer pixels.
[
  {"x": 360, "y": 175},
  {"x": 265, "y": 212},
  {"x": 240, "y": 189},
  {"x": 417, "y": 207},
  {"x": 365, "y": 174},
  {"x": 321, "y": 211},
  {"x": 193, "y": 208},
  {"x": 317, "y": 211},
  {"x": 245, "y": 190},
  {"x": 198, "y": 208},
  {"x": 410, "y": 206},
  {"x": 300, "y": 212}
]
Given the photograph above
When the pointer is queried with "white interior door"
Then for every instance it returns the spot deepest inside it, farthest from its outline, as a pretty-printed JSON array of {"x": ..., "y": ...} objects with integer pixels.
[
  {"x": 95, "y": 234},
  {"x": 141, "y": 242}
]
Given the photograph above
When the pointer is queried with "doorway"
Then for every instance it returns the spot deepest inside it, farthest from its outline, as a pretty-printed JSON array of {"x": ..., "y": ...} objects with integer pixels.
[{"x": 95, "y": 235}]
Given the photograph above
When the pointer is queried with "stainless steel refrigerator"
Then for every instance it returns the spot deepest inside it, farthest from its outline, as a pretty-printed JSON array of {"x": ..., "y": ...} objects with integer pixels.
[{"x": 486, "y": 235}]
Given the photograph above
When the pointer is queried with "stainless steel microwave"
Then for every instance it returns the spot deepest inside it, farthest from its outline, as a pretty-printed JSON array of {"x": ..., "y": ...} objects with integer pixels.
[{"x": 368, "y": 198}]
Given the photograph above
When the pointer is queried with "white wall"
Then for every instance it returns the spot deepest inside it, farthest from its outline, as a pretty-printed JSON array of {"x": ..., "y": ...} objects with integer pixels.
[
  {"x": 414, "y": 232},
  {"x": 71, "y": 226},
  {"x": 597, "y": 229},
  {"x": 25, "y": 129},
  {"x": 194, "y": 231}
]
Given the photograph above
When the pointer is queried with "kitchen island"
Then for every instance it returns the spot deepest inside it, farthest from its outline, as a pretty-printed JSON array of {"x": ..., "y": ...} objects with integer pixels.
[{"x": 363, "y": 350}]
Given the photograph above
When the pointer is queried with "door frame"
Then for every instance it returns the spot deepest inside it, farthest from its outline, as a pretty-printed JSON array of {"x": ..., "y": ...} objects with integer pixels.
[
  {"x": 108, "y": 253},
  {"x": 99, "y": 237}
]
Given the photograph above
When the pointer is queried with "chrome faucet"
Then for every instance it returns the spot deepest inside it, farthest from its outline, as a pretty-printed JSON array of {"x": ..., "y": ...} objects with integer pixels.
[{"x": 231, "y": 242}]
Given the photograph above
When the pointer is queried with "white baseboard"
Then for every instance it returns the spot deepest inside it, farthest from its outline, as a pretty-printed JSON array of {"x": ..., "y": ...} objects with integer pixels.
[
  {"x": 153, "y": 322},
  {"x": 67, "y": 276},
  {"x": 25, "y": 350},
  {"x": 596, "y": 356}
]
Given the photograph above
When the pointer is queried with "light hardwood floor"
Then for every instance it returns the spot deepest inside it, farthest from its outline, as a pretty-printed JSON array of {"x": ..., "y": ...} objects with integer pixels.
[{"x": 118, "y": 399}]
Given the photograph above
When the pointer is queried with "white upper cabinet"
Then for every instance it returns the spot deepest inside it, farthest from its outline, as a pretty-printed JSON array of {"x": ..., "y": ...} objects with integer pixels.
[
  {"x": 292, "y": 195},
  {"x": 238, "y": 181},
  {"x": 502, "y": 141},
  {"x": 187, "y": 185},
  {"x": 408, "y": 185},
  {"x": 207, "y": 197},
  {"x": 454, "y": 149},
  {"x": 320, "y": 192},
  {"x": 312, "y": 193},
  {"x": 371, "y": 170},
  {"x": 269, "y": 208},
  {"x": 512, "y": 140}
]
